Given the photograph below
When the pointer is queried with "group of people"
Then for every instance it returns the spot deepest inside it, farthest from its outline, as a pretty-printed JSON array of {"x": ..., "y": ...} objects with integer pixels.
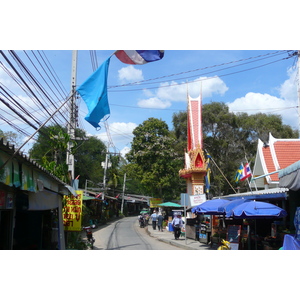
[
  {"x": 157, "y": 219},
  {"x": 177, "y": 223}
]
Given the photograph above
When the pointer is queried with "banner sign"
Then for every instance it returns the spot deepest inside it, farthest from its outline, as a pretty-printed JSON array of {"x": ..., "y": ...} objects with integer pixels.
[
  {"x": 72, "y": 212},
  {"x": 155, "y": 201},
  {"x": 197, "y": 199}
]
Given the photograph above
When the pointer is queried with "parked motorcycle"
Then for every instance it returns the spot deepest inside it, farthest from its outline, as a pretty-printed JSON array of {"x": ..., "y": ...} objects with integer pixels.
[
  {"x": 89, "y": 236},
  {"x": 142, "y": 221},
  {"x": 225, "y": 245}
]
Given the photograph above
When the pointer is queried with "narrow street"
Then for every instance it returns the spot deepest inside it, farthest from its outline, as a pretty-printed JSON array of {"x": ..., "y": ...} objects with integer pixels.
[{"x": 125, "y": 234}]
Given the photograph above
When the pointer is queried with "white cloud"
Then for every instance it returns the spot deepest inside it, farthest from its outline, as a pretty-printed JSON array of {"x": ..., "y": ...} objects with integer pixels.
[
  {"x": 254, "y": 103},
  {"x": 286, "y": 105},
  {"x": 130, "y": 73},
  {"x": 288, "y": 90},
  {"x": 169, "y": 92},
  {"x": 154, "y": 103},
  {"x": 120, "y": 132},
  {"x": 124, "y": 151}
]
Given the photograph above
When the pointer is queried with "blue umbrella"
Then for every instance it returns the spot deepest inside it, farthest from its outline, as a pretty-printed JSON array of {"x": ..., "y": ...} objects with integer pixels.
[
  {"x": 210, "y": 207},
  {"x": 228, "y": 207},
  {"x": 257, "y": 210}
]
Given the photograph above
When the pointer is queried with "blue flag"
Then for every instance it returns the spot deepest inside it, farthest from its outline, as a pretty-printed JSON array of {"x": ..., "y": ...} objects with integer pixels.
[{"x": 94, "y": 93}]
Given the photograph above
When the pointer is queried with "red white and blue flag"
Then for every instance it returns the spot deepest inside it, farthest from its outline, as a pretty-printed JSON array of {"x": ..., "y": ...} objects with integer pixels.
[
  {"x": 139, "y": 57},
  {"x": 246, "y": 172}
]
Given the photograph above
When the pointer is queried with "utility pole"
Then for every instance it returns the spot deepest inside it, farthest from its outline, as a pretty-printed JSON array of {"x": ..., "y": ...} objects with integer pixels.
[
  {"x": 72, "y": 120},
  {"x": 123, "y": 194}
]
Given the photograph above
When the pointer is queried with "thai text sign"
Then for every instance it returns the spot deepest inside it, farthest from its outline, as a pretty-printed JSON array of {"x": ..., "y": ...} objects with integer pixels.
[
  {"x": 197, "y": 199},
  {"x": 72, "y": 212},
  {"x": 155, "y": 201}
]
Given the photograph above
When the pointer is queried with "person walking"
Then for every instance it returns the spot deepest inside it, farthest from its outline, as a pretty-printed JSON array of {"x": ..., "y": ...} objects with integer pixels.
[
  {"x": 177, "y": 224},
  {"x": 160, "y": 219},
  {"x": 154, "y": 219}
]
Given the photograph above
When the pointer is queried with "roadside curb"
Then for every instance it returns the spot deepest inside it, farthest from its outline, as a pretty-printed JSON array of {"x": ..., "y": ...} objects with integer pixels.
[{"x": 170, "y": 242}]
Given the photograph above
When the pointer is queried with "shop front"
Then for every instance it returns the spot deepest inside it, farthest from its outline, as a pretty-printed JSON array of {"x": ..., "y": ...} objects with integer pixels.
[{"x": 30, "y": 204}]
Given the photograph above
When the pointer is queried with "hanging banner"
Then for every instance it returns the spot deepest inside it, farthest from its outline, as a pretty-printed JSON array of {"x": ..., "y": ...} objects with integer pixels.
[
  {"x": 155, "y": 201},
  {"x": 72, "y": 212}
]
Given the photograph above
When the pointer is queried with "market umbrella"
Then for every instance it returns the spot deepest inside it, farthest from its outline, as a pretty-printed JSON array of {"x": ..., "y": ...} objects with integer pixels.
[
  {"x": 257, "y": 209},
  {"x": 170, "y": 204},
  {"x": 210, "y": 207},
  {"x": 227, "y": 208}
]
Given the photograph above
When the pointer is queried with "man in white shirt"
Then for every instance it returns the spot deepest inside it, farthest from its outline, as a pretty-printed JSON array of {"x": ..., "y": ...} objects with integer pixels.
[
  {"x": 154, "y": 219},
  {"x": 177, "y": 224}
]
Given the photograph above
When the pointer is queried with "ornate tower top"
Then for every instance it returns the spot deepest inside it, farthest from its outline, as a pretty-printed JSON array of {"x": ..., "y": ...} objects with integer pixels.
[{"x": 194, "y": 123}]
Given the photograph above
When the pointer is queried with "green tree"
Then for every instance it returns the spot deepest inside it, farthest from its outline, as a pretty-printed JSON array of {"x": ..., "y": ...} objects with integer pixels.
[
  {"x": 153, "y": 160},
  {"x": 230, "y": 139},
  {"x": 50, "y": 152}
]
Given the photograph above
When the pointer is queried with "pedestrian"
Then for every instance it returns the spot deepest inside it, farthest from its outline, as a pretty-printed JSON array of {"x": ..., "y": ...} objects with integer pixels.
[
  {"x": 154, "y": 219},
  {"x": 177, "y": 224},
  {"x": 160, "y": 219}
]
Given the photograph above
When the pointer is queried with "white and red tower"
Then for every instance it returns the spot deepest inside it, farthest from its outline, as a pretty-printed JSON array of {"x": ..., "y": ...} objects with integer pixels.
[{"x": 195, "y": 165}]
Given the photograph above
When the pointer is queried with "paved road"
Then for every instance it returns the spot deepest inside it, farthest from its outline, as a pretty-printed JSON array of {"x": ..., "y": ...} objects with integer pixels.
[{"x": 125, "y": 234}]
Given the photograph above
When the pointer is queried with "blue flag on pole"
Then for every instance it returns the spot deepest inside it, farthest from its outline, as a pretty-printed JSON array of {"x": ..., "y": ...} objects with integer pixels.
[{"x": 94, "y": 93}]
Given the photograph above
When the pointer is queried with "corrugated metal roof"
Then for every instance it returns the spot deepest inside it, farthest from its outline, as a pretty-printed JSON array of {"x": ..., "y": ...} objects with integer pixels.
[{"x": 10, "y": 150}]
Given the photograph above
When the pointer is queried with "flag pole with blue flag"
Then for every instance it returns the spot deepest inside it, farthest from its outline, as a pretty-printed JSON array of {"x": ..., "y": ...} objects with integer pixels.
[
  {"x": 94, "y": 90},
  {"x": 94, "y": 93}
]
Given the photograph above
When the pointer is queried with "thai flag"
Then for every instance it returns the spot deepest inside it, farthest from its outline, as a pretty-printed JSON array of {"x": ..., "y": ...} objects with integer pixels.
[
  {"x": 247, "y": 172},
  {"x": 139, "y": 57}
]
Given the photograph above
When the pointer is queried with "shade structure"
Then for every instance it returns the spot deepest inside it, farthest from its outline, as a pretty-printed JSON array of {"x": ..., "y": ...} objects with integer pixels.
[
  {"x": 210, "y": 207},
  {"x": 170, "y": 204},
  {"x": 228, "y": 207},
  {"x": 257, "y": 210}
]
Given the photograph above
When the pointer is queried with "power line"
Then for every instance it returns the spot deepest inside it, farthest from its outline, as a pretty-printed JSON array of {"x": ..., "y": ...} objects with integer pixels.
[
  {"x": 201, "y": 79},
  {"x": 258, "y": 58}
]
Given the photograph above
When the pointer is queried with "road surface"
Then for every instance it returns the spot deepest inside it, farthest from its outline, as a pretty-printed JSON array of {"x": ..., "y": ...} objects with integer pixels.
[{"x": 125, "y": 234}]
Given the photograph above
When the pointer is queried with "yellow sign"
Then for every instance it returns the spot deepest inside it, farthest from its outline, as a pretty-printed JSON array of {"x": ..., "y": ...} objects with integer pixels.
[
  {"x": 72, "y": 212},
  {"x": 154, "y": 202}
]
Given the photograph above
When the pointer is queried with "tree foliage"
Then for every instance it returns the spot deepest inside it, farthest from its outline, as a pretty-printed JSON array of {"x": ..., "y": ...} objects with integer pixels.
[
  {"x": 231, "y": 139},
  {"x": 50, "y": 152},
  {"x": 153, "y": 160}
]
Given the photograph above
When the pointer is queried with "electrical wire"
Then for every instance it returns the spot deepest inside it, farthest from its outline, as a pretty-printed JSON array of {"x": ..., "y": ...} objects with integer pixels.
[
  {"x": 201, "y": 79},
  {"x": 258, "y": 58}
]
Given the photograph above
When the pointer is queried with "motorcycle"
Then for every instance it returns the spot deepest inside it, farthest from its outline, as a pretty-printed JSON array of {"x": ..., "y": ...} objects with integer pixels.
[
  {"x": 225, "y": 245},
  {"x": 142, "y": 222},
  {"x": 89, "y": 235}
]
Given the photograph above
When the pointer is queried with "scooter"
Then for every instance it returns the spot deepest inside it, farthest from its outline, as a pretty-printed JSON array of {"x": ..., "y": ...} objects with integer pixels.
[
  {"x": 89, "y": 236},
  {"x": 225, "y": 245},
  {"x": 142, "y": 222}
]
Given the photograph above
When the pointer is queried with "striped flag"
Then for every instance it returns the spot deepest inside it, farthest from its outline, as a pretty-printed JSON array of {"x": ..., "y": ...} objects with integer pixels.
[
  {"x": 246, "y": 172},
  {"x": 139, "y": 57}
]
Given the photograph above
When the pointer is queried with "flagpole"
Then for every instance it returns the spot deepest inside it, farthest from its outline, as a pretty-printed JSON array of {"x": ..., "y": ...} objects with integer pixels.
[
  {"x": 251, "y": 175},
  {"x": 1, "y": 167},
  {"x": 223, "y": 174}
]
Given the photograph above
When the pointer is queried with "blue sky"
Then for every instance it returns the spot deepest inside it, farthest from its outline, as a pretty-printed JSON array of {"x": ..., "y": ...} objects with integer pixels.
[{"x": 248, "y": 81}]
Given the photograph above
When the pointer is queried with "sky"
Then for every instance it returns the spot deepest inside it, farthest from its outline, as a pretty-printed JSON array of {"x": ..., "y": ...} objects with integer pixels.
[
  {"x": 218, "y": 32},
  {"x": 250, "y": 81}
]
